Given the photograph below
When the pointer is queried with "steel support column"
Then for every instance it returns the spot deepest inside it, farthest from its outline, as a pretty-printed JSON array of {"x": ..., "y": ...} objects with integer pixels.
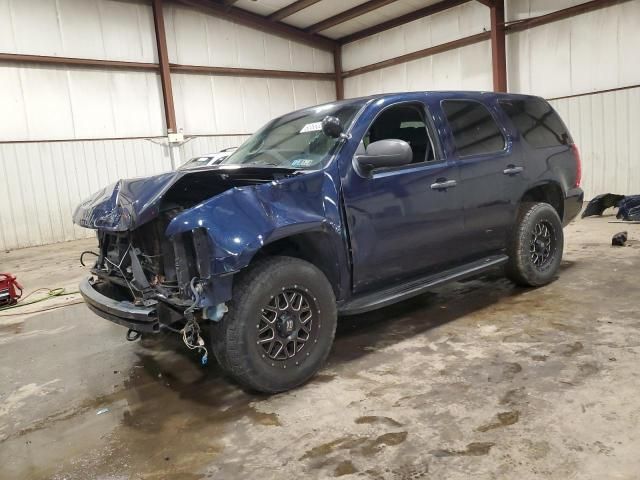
[
  {"x": 498, "y": 54},
  {"x": 337, "y": 66},
  {"x": 163, "y": 61}
]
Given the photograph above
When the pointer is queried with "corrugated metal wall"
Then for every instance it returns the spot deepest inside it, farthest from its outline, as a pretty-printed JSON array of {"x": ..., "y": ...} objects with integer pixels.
[
  {"x": 55, "y": 103},
  {"x": 467, "y": 68},
  {"x": 605, "y": 126},
  {"x": 589, "y": 52},
  {"x": 60, "y": 103},
  {"x": 231, "y": 105},
  {"x": 56, "y": 176},
  {"x": 41, "y": 183},
  {"x": 239, "y": 105}
]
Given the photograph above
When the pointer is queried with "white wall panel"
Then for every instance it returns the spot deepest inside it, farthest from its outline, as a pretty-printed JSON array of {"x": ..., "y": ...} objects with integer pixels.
[
  {"x": 604, "y": 127},
  {"x": 41, "y": 183},
  {"x": 229, "y": 105},
  {"x": 229, "y": 112},
  {"x": 467, "y": 68},
  {"x": 56, "y": 103},
  {"x": 101, "y": 29},
  {"x": 589, "y": 52},
  {"x": 521, "y": 9},
  {"x": 452, "y": 24},
  {"x": 195, "y": 38},
  {"x": 47, "y": 103}
]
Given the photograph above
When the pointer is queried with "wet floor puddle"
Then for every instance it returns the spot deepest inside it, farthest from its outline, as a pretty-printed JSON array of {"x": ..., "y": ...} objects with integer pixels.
[
  {"x": 475, "y": 449},
  {"x": 503, "y": 419}
]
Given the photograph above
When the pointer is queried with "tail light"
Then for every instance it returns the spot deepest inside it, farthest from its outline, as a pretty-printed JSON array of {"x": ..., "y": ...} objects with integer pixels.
[{"x": 576, "y": 154}]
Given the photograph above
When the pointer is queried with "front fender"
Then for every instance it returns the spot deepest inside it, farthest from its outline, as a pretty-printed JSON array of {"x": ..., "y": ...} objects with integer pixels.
[{"x": 241, "y": 220}]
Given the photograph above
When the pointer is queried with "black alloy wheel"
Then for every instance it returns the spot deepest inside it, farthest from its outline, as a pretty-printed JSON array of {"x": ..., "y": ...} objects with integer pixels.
[
  {"x": 280, "y": 326},
  {"x": 536, "y": 245}
]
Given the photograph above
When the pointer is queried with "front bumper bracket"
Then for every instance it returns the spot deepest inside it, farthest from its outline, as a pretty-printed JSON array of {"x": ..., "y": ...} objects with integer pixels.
[{"x": 125, "y": 313}]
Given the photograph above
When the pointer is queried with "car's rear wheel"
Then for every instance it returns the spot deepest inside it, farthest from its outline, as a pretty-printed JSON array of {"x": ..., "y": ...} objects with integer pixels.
[
  {"x": 280, "y": 326},
  {"x": 536, "y": 245}
]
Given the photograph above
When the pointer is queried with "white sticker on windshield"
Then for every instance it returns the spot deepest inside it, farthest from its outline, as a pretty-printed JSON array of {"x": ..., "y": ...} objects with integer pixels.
[
  {"x": 302, "y": 162},
  {"x": 312, "y": 127}
]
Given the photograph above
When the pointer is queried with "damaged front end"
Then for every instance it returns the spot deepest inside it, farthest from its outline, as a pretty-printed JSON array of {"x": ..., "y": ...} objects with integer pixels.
[
  {"x": 146, "y": 280},
  {"x": 157, "y": 281}
]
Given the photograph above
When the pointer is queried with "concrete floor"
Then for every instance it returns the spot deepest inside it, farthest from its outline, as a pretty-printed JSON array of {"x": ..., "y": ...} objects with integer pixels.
[{"x": 476, "y": 380}]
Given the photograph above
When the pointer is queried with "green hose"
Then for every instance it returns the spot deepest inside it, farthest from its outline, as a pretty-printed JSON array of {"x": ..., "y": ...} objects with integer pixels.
[{"x": 51, "y": 293}]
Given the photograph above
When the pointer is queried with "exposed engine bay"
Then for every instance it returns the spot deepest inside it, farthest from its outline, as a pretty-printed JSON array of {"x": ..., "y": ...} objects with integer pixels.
[{"x": 170, "y": 277}]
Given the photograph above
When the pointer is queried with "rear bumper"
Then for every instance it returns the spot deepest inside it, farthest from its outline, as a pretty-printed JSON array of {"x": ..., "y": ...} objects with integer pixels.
[
  {"x": 572, "y": 205},
  {"x": 139, "y": 318}
]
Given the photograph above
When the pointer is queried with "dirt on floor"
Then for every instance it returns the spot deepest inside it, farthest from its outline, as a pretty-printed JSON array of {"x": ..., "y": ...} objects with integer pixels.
[{"x": 479, "y": 380}]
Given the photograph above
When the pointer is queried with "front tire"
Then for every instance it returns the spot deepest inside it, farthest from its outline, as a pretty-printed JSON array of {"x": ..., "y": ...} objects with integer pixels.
[
  {"x": 536, "y": 245},
  {"x": 280, "y": 326}
]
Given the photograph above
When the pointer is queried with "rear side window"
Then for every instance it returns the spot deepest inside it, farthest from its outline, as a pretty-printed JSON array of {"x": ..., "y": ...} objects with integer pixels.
[
  {"x": 537, "y": 122},
  {"x": 475, "y": 132}
]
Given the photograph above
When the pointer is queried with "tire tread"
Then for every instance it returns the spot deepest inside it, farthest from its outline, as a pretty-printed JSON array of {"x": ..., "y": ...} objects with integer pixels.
[{"x": 227, "y": 335}]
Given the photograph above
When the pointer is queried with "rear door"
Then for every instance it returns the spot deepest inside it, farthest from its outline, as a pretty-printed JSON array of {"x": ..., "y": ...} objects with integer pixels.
[
  {"x": 544, "y": 141},
  {"x": 482, "y": 149}
]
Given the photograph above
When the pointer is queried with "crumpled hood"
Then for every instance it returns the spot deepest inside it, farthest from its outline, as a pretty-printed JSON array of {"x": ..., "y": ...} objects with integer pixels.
[{"x": 127, "y": 204}]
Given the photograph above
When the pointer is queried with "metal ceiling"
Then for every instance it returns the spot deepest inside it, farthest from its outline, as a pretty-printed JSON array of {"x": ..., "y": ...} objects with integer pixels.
[{"x": 333, "y": 19}]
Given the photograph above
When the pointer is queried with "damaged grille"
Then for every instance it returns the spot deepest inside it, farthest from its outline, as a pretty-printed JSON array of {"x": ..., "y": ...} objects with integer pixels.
[{"x": 145, "y": 263}]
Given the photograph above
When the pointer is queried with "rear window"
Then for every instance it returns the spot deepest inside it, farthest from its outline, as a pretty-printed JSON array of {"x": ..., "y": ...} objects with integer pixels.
[
  {"x": 475, "y": 132},
  {"x": 537, "y": 122}
]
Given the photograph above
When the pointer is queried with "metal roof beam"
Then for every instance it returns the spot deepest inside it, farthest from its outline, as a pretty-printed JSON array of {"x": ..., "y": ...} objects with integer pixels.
[
  {"x": 348, "y": 15},
  {"x": 409, "y": 17},
  {"x": 259, "y": 22},
  {"x": 290, "y": 9}
]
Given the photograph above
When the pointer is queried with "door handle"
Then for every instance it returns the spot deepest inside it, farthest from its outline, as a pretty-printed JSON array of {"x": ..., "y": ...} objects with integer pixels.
[
  {"x": 443, "y": 184},
  {"x": 512, "y": 170}
]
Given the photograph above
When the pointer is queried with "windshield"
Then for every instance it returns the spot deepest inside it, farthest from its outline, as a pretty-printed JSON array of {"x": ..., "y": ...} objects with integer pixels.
[{"x": 295, "y": 140}]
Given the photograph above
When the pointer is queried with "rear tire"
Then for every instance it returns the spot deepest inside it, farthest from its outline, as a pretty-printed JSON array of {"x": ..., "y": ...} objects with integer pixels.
[
  {"x": 536, "y": 245},
  {"x": 280, "y": 326}
]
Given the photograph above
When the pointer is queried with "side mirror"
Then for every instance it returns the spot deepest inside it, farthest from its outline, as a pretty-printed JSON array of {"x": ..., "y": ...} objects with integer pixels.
[
  {"x": 385, "y": 153},
  {"x": 331, "y": 126}
]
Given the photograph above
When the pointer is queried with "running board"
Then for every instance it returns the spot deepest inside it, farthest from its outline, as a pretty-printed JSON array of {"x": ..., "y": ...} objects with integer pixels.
[{"x": 382, "y": 298}]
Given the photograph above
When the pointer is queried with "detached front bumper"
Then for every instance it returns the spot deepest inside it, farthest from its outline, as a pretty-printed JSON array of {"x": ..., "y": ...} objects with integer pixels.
[{"x": 122, "y": 312}]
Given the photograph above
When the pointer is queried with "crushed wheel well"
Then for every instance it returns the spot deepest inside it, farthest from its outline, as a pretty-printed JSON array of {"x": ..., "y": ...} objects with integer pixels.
[
  {"x": 314, "y": 247},
  {"x": 549, "y": 193}
]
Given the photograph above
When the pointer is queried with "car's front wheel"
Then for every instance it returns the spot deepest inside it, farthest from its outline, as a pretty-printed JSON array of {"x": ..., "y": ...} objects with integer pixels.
[
  {"x": 536, "y": 245},
  {"x": 280, "y": 326}
]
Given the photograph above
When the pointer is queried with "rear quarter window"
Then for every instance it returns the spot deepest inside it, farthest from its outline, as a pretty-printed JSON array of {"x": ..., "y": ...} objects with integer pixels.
[
  {"x": 537, "y": 122},
  {"x": 475, "y": 132}
]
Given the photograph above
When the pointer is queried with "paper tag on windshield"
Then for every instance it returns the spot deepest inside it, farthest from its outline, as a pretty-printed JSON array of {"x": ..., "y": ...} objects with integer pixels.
[
  {"x": 302, "y": 162},
  {"x": 312, "y": 127}
]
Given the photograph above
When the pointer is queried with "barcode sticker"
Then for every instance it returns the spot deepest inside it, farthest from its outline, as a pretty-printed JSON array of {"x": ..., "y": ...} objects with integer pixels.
[{"x": 312, "y": 127}]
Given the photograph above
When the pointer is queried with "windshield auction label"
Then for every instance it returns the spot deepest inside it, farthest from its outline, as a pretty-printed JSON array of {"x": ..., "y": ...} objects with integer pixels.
[{"x": 312, "y": 127}]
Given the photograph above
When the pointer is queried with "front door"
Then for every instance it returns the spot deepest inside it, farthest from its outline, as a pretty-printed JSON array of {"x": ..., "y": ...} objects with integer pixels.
[{"x": 404, "y": 221}]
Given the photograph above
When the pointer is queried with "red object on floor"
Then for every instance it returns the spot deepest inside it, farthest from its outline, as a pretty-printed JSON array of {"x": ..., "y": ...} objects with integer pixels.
[{"x": 10, "y": 289}]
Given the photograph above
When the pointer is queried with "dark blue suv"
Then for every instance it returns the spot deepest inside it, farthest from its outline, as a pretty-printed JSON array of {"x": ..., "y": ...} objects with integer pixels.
[{"x": 335, "y": 209}]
